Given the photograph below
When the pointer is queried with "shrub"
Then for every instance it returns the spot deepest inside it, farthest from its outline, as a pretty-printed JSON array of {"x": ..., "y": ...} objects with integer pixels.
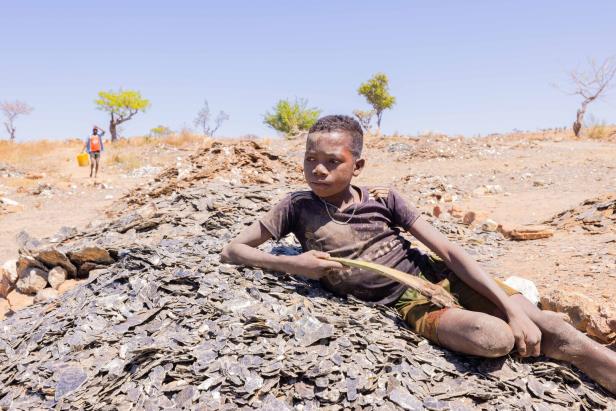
[{"x": 291, "y": 118}]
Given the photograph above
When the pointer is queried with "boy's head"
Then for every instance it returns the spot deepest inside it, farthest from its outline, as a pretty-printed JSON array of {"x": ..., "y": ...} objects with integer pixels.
[
  {"x": 95, "y": 131},
  {"x": 333, "y": 155}
]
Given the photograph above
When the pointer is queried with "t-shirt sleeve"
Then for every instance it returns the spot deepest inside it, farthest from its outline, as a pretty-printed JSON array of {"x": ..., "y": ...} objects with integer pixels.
[
  {"x": 403, "y": 214},
  {"x": 279, "y": 221}
]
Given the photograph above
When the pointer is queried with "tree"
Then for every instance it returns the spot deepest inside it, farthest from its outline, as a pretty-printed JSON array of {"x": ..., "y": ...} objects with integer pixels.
[
  {"x": 376, "y": 91},
  {"x": 122, "y": 106},
  {"x": 365, "y": 118},
  {"x": 11, "y": 110},
  {"x": 160, "y": 131},
  {"x": 291, "y": 118},
  {"x": 203, "y": 120},
  {"x": 590, "y": 85}
]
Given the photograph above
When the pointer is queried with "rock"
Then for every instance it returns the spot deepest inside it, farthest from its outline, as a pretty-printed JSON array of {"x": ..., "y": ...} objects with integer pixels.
[
  {"x": 612, "y": 323},
  {"x": 35, "y": 176},
  {"x": 9, "y": 202},
  {"x": 525, "y": 286},
  {"x": 31, "y": 280},
  {"x": 398, "y": 147},
  {"x": 474, "y": 217},
  {"x": 46, "y": 294},
  {"x": 85, "y": 268},
  {"x": 26, "y": 263},
  {"x": 577, "y": 306},
  {"x": 5, "y": 308},
  {"x": 10, "y": 266},
  {"x": 531, "y": 233},
  {"x": 6, "y": 285},
  {"x": 90, "y": 255},
  {"x": 479, "y": 191},
  {"x": 18, "y": 300},
  {"x": 51, "y": 257},
  {"x": 456, "y": 211},
  {"x": 489, "y": 225},
  {"x": 505, "y": 230},
  {"x": 68, "y": 285},
  {"x": 436, "y": 211},
  {"x": 56, "y": 277}
]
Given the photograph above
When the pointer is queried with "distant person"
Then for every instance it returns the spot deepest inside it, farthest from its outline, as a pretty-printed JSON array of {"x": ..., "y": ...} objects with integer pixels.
[{"x": 94, "y": 146}]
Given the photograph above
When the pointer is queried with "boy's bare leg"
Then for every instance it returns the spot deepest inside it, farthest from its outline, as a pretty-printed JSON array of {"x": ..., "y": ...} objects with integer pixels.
[
  {"x": 474, "y": 333},
  {"x": 96, "y": 172},
  {"x": 91, "y": 166},
  {"x": 561, "y": 341}
]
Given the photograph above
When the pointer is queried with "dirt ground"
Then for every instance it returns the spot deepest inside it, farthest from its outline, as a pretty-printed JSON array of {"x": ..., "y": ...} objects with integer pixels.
[{"x": 536, "y": 177}]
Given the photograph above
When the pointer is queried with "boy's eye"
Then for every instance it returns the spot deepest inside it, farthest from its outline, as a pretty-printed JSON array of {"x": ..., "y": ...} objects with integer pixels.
[
  {"x": 333, "y": 161},
  {"x": 309, "y": 158}
]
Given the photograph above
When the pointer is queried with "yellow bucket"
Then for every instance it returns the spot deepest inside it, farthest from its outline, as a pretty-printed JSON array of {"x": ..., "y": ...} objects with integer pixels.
[{"x": 83, "y": 159}]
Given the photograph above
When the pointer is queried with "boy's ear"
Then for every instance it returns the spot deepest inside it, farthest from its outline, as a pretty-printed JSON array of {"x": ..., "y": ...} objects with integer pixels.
[{"x": 359, "y": 166}]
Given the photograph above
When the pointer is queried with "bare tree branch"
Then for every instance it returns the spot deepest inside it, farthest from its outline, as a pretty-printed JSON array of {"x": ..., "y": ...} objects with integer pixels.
[
  {"x": 11, "y": 110},
  {"x": 591, "y": 85}
]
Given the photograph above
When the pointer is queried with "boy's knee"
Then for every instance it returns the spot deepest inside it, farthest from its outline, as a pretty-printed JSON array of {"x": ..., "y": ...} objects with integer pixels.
[{"x": 492, "y": 336}]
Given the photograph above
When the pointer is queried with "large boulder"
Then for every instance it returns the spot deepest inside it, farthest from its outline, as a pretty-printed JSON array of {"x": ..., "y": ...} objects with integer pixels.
[
  {"x": 94, "y": 255},
  {"x": 51, "y": 257},
  {"x": 26, "y": 262},
  {"x": 31, "y": 281},
  {"x": 584, "y": 313},
  {"x": 18, "y": 300},
  {"x": 10, "y": 266},
  {"x": 56, "y": 277}
]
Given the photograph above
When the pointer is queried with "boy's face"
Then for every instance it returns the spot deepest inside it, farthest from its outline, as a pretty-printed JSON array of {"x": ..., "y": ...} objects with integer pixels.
[{"x": 329, "y": 164}]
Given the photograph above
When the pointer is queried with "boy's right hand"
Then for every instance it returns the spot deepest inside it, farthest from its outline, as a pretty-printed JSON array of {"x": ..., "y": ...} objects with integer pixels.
[{"x": 314, "y": 265}]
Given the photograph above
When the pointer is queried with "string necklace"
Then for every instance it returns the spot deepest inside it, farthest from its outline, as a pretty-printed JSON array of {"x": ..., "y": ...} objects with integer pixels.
[{"x": 326, "y": 204}]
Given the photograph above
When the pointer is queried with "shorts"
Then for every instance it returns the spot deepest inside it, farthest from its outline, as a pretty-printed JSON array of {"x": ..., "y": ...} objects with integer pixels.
[
  {"x": 95, "y": 155},
  {"x": 423, "y": 316}
]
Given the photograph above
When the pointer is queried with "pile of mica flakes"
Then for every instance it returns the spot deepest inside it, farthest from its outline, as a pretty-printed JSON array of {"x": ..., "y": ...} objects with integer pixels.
[{"x": 167, "y": 326}]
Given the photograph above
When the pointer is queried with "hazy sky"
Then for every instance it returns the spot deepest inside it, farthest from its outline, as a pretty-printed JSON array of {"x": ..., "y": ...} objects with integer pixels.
[{"x": 456, "y": 67}]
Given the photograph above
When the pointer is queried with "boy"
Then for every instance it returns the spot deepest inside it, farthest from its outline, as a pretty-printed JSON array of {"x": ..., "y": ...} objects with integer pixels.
[
  {"x": 339, "y": 219},
  {"x": 94, "y": 146}
]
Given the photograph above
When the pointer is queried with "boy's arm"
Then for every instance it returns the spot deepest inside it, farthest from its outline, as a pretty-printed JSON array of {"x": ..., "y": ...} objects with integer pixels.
[
  {"x": 243, "y": 250},
  {"x": 526, "y": 333}
]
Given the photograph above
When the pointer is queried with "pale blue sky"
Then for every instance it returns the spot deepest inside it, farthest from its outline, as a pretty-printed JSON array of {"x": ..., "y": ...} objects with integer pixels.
[{"x": 456, "y": 67}]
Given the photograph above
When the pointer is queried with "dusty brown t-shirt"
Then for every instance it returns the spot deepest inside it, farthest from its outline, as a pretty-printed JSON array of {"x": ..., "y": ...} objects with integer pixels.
[{"x": 371, "y": 234}]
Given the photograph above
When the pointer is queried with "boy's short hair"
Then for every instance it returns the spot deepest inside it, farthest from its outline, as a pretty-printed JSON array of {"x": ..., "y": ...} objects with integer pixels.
[{"x": 340, "y": 122}]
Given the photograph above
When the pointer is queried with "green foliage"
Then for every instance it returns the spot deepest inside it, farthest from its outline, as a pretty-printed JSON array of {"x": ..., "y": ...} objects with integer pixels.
[
  {"x": 160, "y": 131},
  {"x": 291, "y": 118},
  {"x": 376, "y": 91},
  {"x": 122, "y": 104}
]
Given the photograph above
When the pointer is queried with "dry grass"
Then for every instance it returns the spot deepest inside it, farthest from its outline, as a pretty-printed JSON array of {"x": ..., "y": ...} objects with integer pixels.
[
  {"x": 18, "y": 153},
  {"x": 126, "y": 159}
]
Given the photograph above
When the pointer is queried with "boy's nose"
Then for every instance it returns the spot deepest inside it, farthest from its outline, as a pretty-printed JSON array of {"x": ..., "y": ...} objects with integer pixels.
[{"x": 320, "y": 170}]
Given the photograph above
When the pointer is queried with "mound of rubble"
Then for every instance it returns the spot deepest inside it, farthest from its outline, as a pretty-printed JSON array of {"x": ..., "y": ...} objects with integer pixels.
[
  {"x": 239, "y": 162},
  {"x": 594, "y": 216},
  {"x": 168, "y": 326}
]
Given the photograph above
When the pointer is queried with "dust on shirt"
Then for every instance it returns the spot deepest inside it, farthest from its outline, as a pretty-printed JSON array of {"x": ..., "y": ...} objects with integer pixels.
[{"x": 370, "y": 232}]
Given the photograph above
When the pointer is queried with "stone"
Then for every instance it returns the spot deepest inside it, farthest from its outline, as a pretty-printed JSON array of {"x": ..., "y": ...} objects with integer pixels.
[
  {"x": 51, "y": 257},
  {"x": 18, "y": 300},
  {"x": 531, "y": 233},
  {"x": 505, "y": 230},
  {"x": 456, "y": 211},
  {"x": 6, "y": 285},
  {"x": 474, "y": 217},
  {"x": 5, "y": 308},
  {"x": 525, "y": 286},
  {"x": 436, "y": 211},
  {"x": 489, "y": 225},
  {"x": 68, "y": 285},
  {"x": 31, "y": 281},
  {"x": 46, "y": 294},
  {"x": 11, "y": 267},
  {"x": 95, "y": 255},
  {"x": 24, "y": 263},
  {"x": 56, "y": 277},
  {"x": 577, "y": 306}
]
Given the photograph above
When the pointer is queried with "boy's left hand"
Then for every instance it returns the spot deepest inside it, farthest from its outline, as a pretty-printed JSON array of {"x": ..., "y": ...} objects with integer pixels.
[{"x": 527, "y": 335}]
